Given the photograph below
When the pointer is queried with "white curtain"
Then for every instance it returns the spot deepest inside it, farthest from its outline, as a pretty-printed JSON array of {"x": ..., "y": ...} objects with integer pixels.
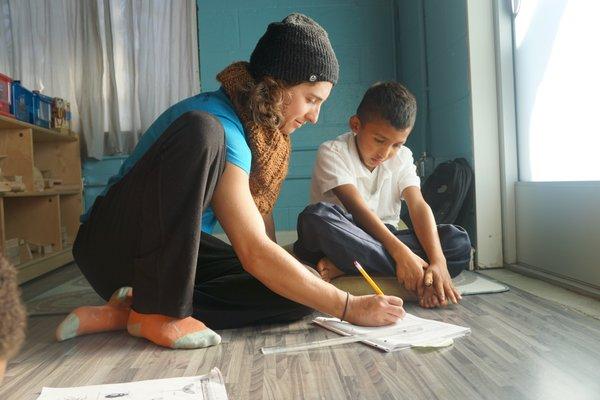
[{"x": 119, "y": 62}]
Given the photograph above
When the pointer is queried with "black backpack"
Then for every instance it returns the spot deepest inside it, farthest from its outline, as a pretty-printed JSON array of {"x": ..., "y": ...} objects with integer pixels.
[{"x": 449, "y": 192}]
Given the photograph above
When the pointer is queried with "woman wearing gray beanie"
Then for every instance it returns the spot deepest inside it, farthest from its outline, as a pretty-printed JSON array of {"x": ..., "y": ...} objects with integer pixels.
[{"x": 218, "y": 156}]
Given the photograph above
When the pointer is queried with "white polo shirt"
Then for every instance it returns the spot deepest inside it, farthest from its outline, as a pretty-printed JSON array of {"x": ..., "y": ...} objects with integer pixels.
[{"x": 338, "y": 163}]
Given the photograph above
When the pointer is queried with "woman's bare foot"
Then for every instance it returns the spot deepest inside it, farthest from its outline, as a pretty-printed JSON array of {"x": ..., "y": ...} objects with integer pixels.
[{"x": 328, "y": 270}]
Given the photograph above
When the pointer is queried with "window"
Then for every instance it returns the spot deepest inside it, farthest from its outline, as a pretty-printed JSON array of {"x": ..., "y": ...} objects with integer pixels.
[{"x": 557, "y": 79}]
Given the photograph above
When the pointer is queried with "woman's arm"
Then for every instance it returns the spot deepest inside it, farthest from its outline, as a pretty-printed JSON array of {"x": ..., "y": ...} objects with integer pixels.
[{"x": 237, "y": 213}]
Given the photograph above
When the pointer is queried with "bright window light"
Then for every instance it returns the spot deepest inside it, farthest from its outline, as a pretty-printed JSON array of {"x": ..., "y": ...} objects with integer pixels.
[{"x": 557, "y": 72}]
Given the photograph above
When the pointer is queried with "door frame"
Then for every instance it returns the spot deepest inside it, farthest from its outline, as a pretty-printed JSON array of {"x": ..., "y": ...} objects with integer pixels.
[{"x": 494, "y": 190}]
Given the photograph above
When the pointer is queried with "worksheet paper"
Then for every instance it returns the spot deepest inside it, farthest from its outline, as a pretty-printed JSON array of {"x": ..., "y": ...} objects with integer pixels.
[
  {"x": 204, "y": 387},
  {"x": 411, "y": 331}
]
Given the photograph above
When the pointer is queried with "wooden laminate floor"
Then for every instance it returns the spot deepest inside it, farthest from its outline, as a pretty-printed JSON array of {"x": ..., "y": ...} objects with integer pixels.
[{"x": 521, "y": 347}]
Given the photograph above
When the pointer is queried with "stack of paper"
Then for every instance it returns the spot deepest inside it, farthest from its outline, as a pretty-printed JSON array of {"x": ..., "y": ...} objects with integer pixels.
[{"x": 408, "y": 332}]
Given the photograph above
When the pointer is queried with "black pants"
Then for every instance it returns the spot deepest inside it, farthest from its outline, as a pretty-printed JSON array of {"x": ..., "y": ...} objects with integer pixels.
[
  {"x": 326, "y": 230},
  {"x": 145, "y": 233}
]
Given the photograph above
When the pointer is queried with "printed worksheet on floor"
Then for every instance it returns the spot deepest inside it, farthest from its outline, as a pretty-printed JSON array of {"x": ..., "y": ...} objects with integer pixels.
[{"x": 205, "y": 387}]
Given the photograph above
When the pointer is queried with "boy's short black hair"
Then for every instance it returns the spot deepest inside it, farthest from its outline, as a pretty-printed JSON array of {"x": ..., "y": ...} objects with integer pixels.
[
  {"x": 12, "y": 312},
  {"x": 390, "y": 101}
]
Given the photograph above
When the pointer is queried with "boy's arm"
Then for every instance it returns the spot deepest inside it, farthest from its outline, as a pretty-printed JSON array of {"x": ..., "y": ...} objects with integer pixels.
[
  {"x": 280, "y": 272},
  {"x": 409, "y": 266},
  {"x": 426, "y": 231}
]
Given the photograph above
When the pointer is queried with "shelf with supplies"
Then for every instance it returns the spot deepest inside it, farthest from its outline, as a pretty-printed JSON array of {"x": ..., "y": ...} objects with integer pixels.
[
  {"x": 40, "y": 196},
  {"x": 39, "y": 134}
]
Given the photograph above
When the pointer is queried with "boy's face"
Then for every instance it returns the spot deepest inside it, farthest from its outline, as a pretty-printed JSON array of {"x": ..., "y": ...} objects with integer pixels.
[{"x": 377, "y": 140}]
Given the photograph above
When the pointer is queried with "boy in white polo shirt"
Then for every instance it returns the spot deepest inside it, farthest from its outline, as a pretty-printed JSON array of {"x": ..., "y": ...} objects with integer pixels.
[{"x": 358, "y": 184}]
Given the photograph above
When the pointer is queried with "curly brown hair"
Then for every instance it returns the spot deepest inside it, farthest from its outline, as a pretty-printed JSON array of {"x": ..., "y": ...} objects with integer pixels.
[
  {"x": 12, "y": 311},
  {"x": 266, "y": 100}
]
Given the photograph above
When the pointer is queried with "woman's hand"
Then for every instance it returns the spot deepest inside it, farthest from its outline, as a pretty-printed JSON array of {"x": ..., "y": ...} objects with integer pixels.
[{"x": 374, "y": 310}]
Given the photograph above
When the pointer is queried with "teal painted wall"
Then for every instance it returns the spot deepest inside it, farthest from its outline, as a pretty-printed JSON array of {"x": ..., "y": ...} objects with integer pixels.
[
  {"x": 363, "y": 34},
  {"x": 433, "y": 62},
  {"x": 422, "y": 43},
  {"x": 411, "y": 63},
  {"x": 96, "y": 174}
]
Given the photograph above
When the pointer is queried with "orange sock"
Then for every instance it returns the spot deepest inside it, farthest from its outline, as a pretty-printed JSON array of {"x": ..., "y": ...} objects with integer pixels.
[
  {"x": 185, "y": 333},
  {"x": 92, "y": 319}
]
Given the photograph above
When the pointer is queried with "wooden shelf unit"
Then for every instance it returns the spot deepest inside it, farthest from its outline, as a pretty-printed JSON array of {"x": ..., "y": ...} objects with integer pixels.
[{"x": 38, "y": 217}]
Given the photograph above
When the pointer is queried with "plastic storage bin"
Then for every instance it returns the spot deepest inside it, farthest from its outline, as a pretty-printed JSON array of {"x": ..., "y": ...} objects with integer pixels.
[
  {"x": 42, "y": 109},
  {"x": 21, "y": 102},
  {"x": 5, "y": 83}
]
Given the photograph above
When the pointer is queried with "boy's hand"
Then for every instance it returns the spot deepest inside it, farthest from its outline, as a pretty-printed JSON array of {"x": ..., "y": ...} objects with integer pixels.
[
  {"x": 442, "y": 290},
  {"x": 410, "y": 272}
]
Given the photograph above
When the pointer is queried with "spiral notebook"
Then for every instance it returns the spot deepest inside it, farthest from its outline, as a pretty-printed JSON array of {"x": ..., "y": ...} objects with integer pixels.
[{"x": 411, "y": 331}]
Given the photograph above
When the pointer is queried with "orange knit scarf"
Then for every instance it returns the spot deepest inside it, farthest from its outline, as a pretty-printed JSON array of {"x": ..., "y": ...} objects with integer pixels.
[{"x": 270, "y": 148}]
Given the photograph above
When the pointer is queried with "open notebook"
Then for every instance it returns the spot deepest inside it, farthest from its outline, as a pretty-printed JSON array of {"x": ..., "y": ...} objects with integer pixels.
[{"x": 408, "y": 332}]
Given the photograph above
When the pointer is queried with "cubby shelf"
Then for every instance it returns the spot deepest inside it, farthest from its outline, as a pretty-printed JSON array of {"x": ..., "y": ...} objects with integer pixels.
[
  {"x": 39, "y": 265},
  {"x": 45, "y": 217},
  {"x": 61, "y": 189},
  {"x": 39, "y": 134}
]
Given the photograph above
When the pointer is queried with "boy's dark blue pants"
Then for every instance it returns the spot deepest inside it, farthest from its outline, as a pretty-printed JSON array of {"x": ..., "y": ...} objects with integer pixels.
[{"x": 326, "y": 230}]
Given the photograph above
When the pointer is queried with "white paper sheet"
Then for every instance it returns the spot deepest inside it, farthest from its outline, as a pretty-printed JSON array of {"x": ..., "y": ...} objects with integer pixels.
[
  {"x": 407, "y": 332},
  {"x": 205, "y": 387}
]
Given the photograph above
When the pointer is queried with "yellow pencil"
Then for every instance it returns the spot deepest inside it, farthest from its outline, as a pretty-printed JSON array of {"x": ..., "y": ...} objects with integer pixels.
[{"x": 367, "y": 278}]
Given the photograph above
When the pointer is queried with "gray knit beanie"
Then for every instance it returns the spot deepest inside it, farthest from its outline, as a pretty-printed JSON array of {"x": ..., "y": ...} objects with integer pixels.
[{"x": 295, "y": 50}]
